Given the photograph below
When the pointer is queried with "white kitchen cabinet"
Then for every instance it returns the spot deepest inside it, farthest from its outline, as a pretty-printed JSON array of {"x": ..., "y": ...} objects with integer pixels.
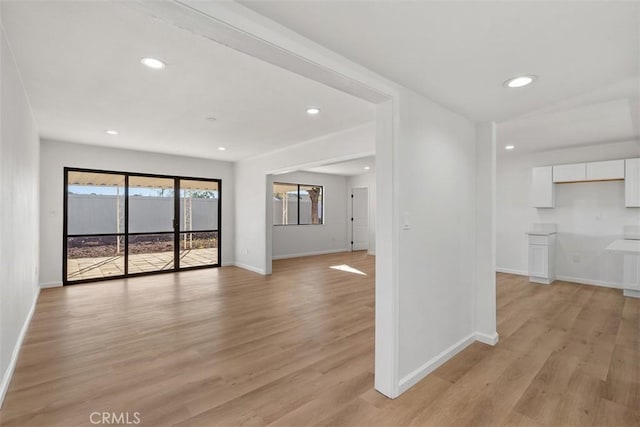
[
  {"x": 570, "y": 173},
  {"x": 631, "y": 275},
  {"x": 632, "y": 183},
  {"x": 542, "y": 193},
  {"x": 630, "y": 250},
  {"x": 538, "y": 261},
  {"x": 542, "y": 256},
  {"x": 603, "y": 171}
]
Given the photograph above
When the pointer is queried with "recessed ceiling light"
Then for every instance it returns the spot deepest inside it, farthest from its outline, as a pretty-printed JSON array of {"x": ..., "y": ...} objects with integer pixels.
[
  {"x": 153, "y": 63},
  {"x": 112, "y": 132},
  {"x": 367, "y": 168},
  {"x": 520, "y": 81},
  {"x": 509, "y": 147},
  {"x": 313, "y": 111},
  {"x": 222, "y": 148}
]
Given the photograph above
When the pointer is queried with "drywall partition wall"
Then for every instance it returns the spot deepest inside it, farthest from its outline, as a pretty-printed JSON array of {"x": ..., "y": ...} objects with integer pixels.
[
  {"x": 254, "y": 222},
  {"x": 589, "y": 215},
  {"x": 56, "y": 155},
  {"x": 485, "y": 243},
  {"x": 437, "y": 202},
  {"x": 365, "y": 181},
  {"x": 299, "y": 240},
  {"x": 19, "y": 152}
]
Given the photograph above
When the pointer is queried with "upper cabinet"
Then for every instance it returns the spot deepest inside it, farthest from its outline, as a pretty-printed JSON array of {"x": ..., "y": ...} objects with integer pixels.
[
  {"x": 603, "y": 171},
  {"x": 593, "y": 171},
  {"x": 542, "y": 195},
  {"x": 570, "y": 173},
  {"x": 632, "y": 183},
  {"x": 542, "y": 189}
]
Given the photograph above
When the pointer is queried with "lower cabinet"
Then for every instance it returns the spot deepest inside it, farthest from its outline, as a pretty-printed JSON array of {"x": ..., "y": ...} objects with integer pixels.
[
  {"x": 542, "y": 251},
  {"x": 632, "y": 276},
  {"x": 538, "y": 261}
]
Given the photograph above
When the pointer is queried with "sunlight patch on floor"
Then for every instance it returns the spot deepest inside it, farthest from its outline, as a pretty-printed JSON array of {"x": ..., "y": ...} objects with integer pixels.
[{"x": 348, "y": 269}]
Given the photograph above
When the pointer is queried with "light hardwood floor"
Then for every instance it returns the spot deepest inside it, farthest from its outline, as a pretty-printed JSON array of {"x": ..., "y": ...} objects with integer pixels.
[{"x": 227, "y": 347}]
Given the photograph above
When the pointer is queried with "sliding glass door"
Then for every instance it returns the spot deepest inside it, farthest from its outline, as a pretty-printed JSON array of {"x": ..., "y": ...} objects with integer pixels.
[
  {"x": 94, "y": 225},
  {"x": 151, "y": 240},
  {"x": 120, "y": 224},
  {"x": 199, "y": 204}
]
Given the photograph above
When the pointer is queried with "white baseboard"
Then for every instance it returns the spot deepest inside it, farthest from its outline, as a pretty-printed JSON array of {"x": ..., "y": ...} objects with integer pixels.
[
  {"x": 330, "y": 251},
  {"x": 590, "y": 282},
  {"x": 487, "y": 339},
  {"x": 512, "y": 271},
  {"x": 50, "y": 285},
  {"x": 540, "y": 280},
  {"x": 250, "y": 268},
  {"x": 414, "y": 377},
  {"x": 579, "y": 280},
  {"x": 372, "y": 253},
  {"x": 8, "y": 374},
  {"x": 631, "y": 293}
]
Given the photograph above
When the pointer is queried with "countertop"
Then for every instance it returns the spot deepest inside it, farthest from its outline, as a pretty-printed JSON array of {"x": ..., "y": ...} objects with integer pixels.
[
  {"x": 629, "y": 247},
  {"x": 542, "y": 229},
  {"x": 540, "y": 232}
]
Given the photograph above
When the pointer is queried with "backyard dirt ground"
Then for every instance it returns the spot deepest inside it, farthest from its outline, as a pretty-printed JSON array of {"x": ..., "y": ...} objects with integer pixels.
[{"x": 95, "y": 248}]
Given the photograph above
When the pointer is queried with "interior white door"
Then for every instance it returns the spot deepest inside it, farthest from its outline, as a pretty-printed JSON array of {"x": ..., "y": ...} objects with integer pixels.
[{"x": 359, "y": 219}]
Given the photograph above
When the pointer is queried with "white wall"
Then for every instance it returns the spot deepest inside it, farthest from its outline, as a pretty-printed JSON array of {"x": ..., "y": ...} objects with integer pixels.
[
  {"x": 56, "y": 155},
  {"x": 299, "y": 240},
  {"x": 589, "y": 215},
  {"x": 436, "y": 183},
  {"x": 19, "y": 151},
  {"x": 254, "y": 222},
  {"x": 364, "y": 181}
]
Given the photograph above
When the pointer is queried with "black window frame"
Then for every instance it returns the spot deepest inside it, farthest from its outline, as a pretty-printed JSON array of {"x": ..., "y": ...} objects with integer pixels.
[
  {"x": 298, "y": 185},
  {"x": 177, "y": 232}
]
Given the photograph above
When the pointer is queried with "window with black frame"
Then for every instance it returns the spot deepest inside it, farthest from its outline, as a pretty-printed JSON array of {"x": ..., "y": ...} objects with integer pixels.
[
  {"x": 298, "y": 204},
  {"x": 119, "y": 224}
]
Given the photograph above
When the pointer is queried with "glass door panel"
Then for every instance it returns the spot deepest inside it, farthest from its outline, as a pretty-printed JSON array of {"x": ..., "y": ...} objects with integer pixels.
[
  {"x": 199, "y": 210},
  {"x": 94, "y": 238},
  {"x": 119, "y": 224},
  {"x": 151, "y": 238}
]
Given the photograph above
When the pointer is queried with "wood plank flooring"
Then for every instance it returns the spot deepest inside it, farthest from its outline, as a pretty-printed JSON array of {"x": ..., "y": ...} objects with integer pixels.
[{"x": 227, "y": 347}]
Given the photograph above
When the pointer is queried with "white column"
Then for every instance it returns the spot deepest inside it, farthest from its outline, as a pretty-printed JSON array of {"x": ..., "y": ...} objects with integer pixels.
[{"x": 485, "y": 235}]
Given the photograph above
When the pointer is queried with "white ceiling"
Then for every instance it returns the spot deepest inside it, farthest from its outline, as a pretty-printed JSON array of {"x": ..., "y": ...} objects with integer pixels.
[
  {"x": 606, "y": 115},
  {"x": 459, "y": 53},
  {"x": 80, "y": 62},
  {"x": 592, "y": 124},
  {"x": 348, "y": 168}
]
